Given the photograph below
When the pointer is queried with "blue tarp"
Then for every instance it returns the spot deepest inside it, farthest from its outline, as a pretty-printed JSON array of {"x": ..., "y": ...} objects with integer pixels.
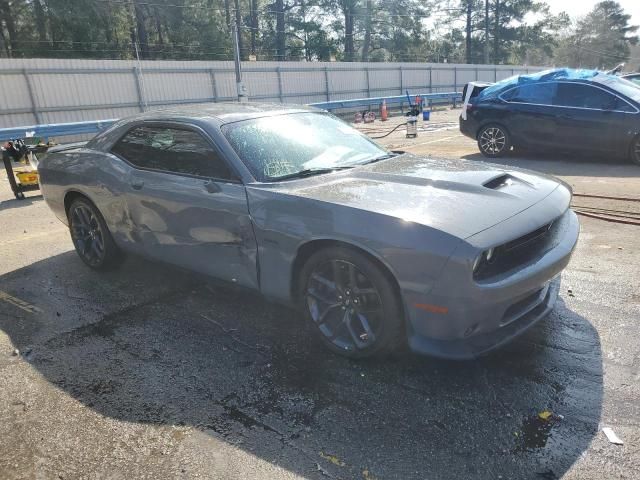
[{"x": 544, "y": 76}]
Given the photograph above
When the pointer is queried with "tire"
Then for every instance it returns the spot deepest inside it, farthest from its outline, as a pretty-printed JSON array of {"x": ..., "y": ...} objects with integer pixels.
[
  {"x": 494, "y": 141},
  {"x": 351, "y": 302},
  {"x": 634, "y": 151},
  {"x": 91, "y": 237}
]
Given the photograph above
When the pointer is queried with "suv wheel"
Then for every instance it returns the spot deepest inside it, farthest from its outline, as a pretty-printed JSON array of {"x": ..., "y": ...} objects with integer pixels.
[{"x": 494, "y": 141}]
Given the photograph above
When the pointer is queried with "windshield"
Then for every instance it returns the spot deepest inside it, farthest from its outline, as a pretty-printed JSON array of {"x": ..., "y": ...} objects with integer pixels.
[
  {"x": 283, "y": 145},
  {"x": 620, "y": 85}
]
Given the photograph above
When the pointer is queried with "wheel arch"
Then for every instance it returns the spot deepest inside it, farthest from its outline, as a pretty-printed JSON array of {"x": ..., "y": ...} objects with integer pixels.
[
  {"x": 72, "y": 195},
  {"x": 307, "y": 249}
]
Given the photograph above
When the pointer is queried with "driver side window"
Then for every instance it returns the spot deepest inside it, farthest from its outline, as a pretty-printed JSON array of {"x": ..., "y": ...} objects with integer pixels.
[
  {"x": 585, "y": 96},
  {"x": 174, "y": 150}
]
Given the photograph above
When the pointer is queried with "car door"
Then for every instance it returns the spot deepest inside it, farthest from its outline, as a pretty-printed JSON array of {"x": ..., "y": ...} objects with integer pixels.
[
  {"x": 591, "y": 118},
  {"x": 531, "y": 118},
  {"x": 184, "y": 203}
]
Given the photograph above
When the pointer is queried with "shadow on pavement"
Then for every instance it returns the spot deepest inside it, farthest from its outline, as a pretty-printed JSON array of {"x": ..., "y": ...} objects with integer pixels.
[
  {"x": 152, "y": 345},
  {"x": 13, "y": 203},
  {"x": 575, "y": 164}
]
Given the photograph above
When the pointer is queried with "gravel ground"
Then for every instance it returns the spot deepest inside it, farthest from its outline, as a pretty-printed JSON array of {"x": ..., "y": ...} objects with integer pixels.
[{"x": 152, "y": 372}]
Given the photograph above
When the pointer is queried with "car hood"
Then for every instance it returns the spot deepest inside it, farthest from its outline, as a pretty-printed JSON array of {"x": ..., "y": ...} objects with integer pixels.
[{"x": 459, "y": 197}]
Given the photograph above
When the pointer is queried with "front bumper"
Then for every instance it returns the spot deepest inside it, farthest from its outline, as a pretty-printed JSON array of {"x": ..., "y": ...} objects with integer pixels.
[
  {"x": 533, "y": 309},
  {"x": 465, "y": 318}
]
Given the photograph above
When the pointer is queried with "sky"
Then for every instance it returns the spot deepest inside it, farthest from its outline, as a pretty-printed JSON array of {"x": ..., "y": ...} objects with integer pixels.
[{"x": 582, "y": 7}]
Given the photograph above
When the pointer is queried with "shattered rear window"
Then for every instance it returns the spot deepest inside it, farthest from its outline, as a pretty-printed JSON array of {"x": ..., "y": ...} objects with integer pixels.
[{"x": 620, "y": 85}]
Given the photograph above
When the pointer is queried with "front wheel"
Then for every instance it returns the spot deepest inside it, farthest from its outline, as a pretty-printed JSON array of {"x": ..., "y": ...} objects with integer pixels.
[
  {"x": 635, "y": 151},
  {"x": 91, "y": 237},
  {"x": 351, "y": 302},
  {"x": 494, "y": 141}
]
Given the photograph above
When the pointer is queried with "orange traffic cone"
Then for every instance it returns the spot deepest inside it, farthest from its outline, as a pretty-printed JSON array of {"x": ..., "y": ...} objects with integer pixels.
[{"x": 383, "y": 111}]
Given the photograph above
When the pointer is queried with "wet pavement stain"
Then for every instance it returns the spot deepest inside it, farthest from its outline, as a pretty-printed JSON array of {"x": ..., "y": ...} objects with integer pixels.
[{"x": 534, "y": 433}]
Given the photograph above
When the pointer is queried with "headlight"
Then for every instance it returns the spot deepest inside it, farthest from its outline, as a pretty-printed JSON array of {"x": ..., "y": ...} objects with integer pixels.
[
  {"x": 476, "y": 262},
  {"x": 489, "y": 254},
  {"x": 486, "y": 256}
]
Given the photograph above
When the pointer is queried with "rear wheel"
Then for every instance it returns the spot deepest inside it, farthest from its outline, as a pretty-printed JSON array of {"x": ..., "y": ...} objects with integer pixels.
[
  {"x": 351, "y": 302},
  {"x": 91, "y": 237},
  {"x": 635, "y": 151},
  {"x": 494, "y": 141}
]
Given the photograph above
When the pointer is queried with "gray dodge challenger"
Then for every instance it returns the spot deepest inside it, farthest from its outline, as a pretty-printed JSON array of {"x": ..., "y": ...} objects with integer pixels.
[{"x": 376, "y": 248}]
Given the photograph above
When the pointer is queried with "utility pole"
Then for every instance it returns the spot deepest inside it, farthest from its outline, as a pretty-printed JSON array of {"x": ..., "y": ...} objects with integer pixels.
[
  {"x": 242, "y": 92},
  {"x": 496, "y": 34},
  {"x": 486, "y": 32},
  {"x": 467, "y": 49}
]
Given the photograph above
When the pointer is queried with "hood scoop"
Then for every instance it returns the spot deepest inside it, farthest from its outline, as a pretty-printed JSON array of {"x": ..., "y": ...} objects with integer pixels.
[{"x": 502, "y": 181}]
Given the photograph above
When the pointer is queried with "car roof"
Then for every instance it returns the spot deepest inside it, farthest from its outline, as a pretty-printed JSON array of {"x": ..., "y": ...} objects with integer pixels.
[
  {"x": 581, "y": 76},
  {"x": 221, "y": 113}
]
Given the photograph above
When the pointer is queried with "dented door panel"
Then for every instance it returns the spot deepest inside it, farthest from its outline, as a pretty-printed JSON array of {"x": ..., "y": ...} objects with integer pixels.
[{"x": 185, "y": 221}]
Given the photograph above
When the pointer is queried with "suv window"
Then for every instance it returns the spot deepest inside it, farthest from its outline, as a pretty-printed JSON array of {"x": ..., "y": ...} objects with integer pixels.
[
  {"x": 536, "y": 93},
  {"x": 171, "y": 149},
  {"x": 586, "y": 96}
]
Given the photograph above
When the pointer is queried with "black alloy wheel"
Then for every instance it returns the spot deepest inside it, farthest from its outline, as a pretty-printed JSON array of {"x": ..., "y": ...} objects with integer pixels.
[
  {"x": 351, "y": 302},
  {"x": 91, "y": 238},
  {"x": 494, "y": 141}
]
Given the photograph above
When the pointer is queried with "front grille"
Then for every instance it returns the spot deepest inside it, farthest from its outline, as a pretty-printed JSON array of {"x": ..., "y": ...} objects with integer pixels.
[
  {"x": 527, "y": 239},
  {"x": 522, "y": 250}
]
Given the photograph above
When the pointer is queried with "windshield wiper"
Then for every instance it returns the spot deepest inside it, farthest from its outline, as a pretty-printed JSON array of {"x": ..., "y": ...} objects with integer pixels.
[
  {"x": 308, "y": 172},
  {"x": 386, "y": 156}
]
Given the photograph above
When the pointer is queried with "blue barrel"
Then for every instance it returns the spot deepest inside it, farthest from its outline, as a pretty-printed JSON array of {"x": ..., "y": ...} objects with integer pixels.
[{"x": 425, "y": 115}]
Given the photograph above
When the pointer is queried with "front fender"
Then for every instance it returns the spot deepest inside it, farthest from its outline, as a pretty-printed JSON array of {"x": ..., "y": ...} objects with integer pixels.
[{"x": 415, "y": 254}]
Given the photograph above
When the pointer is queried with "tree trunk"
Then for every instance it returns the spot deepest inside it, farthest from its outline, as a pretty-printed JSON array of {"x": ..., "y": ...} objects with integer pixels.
[
  {"x": 496, "y": 34},
  {"x": 254, "y": 25},
  {"x": 11, "y": 40},
  {"x": 486, "y": 32},
  {"x": 227, "y": 13},
  {"x": 348, "y": 32},
  {"x": 303, "y": 15},
  {"x": 141, "y": 29},
  {"x": 158, "y": 19},
  {"x": 239, "y": 27},
  {"x": 281, "y": 40},
  {"x": 467, "y": 49},
  {"x": 4, "y": 49},
  {"x": 41, "y": 23},
  {"x": 366, "y": 44}
]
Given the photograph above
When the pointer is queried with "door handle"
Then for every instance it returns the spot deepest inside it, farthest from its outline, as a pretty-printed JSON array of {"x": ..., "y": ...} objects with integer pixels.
[
  {"x": 137, "y": 184},
  {"x": 212, "y": 187}
]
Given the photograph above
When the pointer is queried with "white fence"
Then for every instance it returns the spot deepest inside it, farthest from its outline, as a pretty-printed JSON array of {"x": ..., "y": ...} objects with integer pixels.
[{"x": 41, "y": 91}]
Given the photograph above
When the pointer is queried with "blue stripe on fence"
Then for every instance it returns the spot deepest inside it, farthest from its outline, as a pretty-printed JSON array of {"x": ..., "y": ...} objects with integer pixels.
[
  {"x": 397, "y": 99},
  {"x": 55, "y": 129}
]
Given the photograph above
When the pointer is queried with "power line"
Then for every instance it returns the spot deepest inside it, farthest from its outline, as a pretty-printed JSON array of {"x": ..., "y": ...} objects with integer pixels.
[{"x": 130, "y": 3}]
